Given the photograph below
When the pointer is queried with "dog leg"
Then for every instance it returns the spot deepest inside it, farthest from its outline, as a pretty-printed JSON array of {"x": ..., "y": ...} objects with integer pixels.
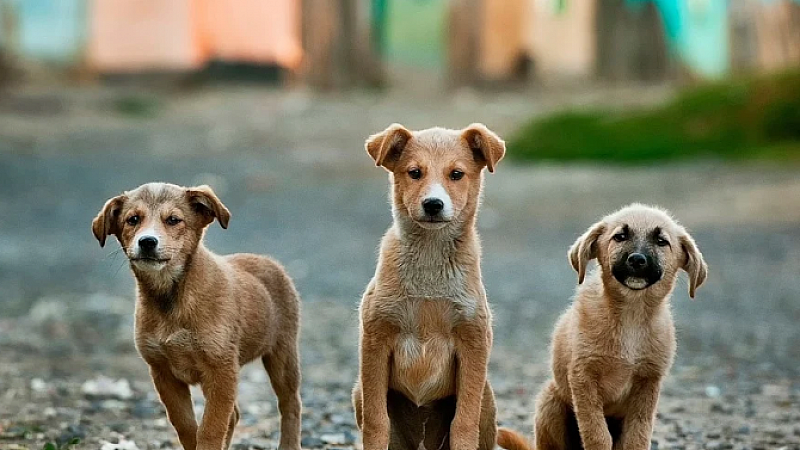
[
  {"x": 232, "y": 426},
  {"x": 589, "y": 413},
  {"x": 550, "y": 422},
  {"x": 219, "y": 388},
  {"x": 488, "y": 423},
  {"x": 358, "y": 403},
  {"x": 637, "y": 426},
  {"x": 472, "y": 354},
  {"x": 177, "y": 400},
  {"x": 284, "y": 374},
  {"x": 374, "y": 376}
]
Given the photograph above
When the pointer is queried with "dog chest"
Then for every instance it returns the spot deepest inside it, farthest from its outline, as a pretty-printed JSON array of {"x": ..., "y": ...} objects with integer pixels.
[
  {"x": 424, "y": 352},
  {"x": 178, "y": 351}
]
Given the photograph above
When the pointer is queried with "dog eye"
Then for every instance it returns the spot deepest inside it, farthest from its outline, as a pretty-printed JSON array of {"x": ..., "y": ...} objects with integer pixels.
[
  {"x": 415, "y": 174},
  {"x": 456, "y": 175},
  {"x": 132, "y": 221},
  {"x": 172, "y": 220},
  {"x": 620, "y": 237},
  {"x": 661, "y": 242}
]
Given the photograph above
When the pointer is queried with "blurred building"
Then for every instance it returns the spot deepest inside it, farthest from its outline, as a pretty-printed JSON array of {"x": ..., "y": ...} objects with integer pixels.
[{"x": 350, "y": 42}]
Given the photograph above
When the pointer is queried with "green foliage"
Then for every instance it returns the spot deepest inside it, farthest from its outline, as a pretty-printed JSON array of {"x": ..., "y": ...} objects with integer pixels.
[
  {"x": 757, "y": 118},
  {"x": 65, "y": 446},
  {"x": 141, "y": 106}
]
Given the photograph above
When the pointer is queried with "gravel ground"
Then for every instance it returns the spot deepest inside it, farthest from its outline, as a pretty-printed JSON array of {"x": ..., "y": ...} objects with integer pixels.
[{"x": 291, "y": 168}]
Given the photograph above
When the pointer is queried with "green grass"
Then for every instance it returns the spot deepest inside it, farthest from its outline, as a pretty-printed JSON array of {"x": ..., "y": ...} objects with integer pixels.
[{"x": 743, "y": 119}]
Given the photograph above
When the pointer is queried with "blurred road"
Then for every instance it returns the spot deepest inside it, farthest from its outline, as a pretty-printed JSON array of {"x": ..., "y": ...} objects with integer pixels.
[{"x": 292, "y": 170}]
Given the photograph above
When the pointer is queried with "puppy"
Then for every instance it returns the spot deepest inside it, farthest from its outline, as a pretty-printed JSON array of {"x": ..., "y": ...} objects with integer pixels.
[
  {"x": 615, "y": 344},
  {"x": 425, "y": 326},
  {"x": 200, "y": 316}
]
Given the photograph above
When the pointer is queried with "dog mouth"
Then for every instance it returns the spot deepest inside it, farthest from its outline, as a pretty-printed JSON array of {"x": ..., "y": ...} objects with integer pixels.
[
  {"x": 637, "y": 280},
  {"x": 636, "y": 283},
  {"x": 431, "y": 222},
  {"x": 149, "y": 260}
]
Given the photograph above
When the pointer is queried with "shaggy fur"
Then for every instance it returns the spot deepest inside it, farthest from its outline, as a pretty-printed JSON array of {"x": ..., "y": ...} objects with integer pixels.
[
  {"x": 615, "y": 344},
  {"x": 425, "y": 331},
  {"x": 200, "y": 316}
]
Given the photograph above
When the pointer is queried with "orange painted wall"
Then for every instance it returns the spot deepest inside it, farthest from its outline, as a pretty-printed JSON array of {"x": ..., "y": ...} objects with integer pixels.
[{"x": 175, "y": 35}]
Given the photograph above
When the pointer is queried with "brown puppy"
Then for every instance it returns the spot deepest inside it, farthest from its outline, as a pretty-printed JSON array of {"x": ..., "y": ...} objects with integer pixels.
[
  {"x": 425, "y": 323},
  {"x": 200, "y": 316},
  {"x": 615, "y": 344}
]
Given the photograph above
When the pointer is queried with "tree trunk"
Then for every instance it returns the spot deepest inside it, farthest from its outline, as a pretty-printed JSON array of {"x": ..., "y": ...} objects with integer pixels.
[{"x": 338, "y": 50}]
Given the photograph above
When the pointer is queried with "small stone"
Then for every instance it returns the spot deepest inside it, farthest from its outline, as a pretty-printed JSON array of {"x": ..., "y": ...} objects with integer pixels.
[
  {"x": 720, "y": 408},
  {"x": 143, "y": 410},
  {"x": 349, "y": 437},
  {"x": 333, "y": 438},
  {"x": 713, "y": 445},
  {"x": 713, "y": 391},
  {"x": 39, "y": 385},
  {"x": 713, "y": 435},
  {"x": 311, "y": 442},
  {"x": 744, "y": 429},
  {"x": 123, "y": 444},
  {"x": 119, "y": 427},
  {"x": 104, "y": 387}
]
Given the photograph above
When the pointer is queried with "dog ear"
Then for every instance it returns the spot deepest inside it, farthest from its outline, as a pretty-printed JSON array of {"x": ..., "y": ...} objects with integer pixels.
[
  {"x": 693, "y": 263},
  {"x": 585, "y": 249},
  {"x": 487, "y": 147},
  {"x": 107, "y": 221},
  {"x": 385, "y": 147},
  {"x": 205, "y": 201}
]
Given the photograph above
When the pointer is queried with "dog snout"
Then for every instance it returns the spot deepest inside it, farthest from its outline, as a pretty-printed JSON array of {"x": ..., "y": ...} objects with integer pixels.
[
  {"x": 148, "y": 243},
  {"x": 432, "y": 206},
  {"x": 637, "y": 261}
]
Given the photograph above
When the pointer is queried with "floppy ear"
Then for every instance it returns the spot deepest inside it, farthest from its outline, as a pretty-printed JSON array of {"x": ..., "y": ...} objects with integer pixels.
[
  {"x": 385, "y": 147},
  {"x": 585, "y": 249},
  {"x": 693, "y": 263},
  {"x": 107, "y": 221},
  {"x": 205, "y": 202},
  {"x": 487, "y": 147}
]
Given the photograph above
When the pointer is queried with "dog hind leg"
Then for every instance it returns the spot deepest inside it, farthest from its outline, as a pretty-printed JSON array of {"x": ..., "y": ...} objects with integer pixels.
[
  {"x": 284, "y": 374},
  {"x": 551, "y": 424}
]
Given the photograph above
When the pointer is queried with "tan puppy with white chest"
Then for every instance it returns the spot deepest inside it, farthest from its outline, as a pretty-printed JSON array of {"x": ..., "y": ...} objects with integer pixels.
[
  {"x": 200, "y": 316},
  {"x": 426, "y": 333},
  {"x": 616, "y": 343}
]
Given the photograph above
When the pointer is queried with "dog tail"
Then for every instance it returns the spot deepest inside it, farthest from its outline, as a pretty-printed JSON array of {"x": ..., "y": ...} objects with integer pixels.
[{"x": 511, "y": 440}]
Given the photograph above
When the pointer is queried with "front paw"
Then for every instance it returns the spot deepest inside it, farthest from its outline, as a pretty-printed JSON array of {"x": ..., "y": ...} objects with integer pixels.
[
  {"x": 463, "y": 435},
  {"x": 602, "y": 441},
  {"x": 375, "y": 434}
]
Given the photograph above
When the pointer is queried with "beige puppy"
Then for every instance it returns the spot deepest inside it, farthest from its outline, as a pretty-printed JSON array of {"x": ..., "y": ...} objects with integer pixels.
[
  {"x": 426, "y": 331},
  {"x": 615, "y": 344},
  {"x": 200, "y": 316}
]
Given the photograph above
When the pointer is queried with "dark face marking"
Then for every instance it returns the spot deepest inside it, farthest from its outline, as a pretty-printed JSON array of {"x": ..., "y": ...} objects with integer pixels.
[{"x": 636, "y": 261}]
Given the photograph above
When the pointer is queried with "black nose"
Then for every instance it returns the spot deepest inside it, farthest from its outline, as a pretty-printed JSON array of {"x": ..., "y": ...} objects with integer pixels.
[
  {"x": 148, "y": 243},
  {"x": 637, "y": 260},
  {"x": 432, "y": 206}
]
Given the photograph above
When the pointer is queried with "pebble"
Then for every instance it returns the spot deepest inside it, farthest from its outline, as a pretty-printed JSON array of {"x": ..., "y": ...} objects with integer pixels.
[
  {"x": 123, "y": 444},
  {"x": 713, "y": 391},
  {"x": 336, "y": 439},
  {"x": 311, "y": 442},
  {"x": 104, "y": 387}
]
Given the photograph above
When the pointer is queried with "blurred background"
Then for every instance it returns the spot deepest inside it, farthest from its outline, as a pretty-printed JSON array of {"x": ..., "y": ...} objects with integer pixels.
[{"x": 693, "y": 105}]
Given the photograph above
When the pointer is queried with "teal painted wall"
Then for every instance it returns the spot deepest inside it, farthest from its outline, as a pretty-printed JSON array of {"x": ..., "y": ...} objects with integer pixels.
[{"x": 49, "y": 30}]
